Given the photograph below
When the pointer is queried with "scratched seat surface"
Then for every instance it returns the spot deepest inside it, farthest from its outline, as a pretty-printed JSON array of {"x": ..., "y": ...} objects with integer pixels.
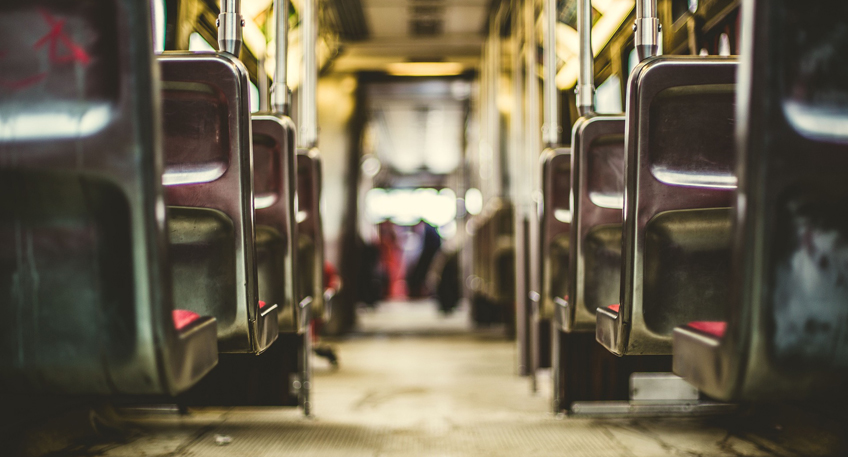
[
  {"x": 784, "y": 337},
  {"x": 87, "y": 305},
  {"x": 208, "y": 181}
]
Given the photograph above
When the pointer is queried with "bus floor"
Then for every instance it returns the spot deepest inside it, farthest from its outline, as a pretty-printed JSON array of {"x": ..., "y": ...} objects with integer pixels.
[{"x": 414, "y": 383}]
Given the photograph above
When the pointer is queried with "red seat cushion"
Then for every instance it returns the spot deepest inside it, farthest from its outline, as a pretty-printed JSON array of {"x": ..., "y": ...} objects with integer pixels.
[
  {"x": 614, "y": 308},
  {"x": 713, "y": 328},
  {"x": 184, "y": 317}
]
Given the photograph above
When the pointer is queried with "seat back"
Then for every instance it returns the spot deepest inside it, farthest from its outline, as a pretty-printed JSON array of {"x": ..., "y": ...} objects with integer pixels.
[
  {"x": 789, "y": 293},
  {"x": 784, "y": 335},
  {"x": 679, "y": 189},
  {"x": 310, "y": 234},
  {"x": 84, "y": 282},
  {"x": 209, "y": 180},
  {"x": 481, "y": 253},
  {"x": 502, "y": 261},
  {"x": 555, "y": 223},
  {"x": 274, "y": 182},
  {"x": 597, "y": 180},
  {"x": 487, "y": 248}
]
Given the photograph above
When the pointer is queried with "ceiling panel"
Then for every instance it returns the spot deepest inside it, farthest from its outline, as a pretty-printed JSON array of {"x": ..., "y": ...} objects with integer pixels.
[
  {"x": 387, "y": 21},
  {"x": 392, "y": 37},
  {"x": 465, "y": 19}
]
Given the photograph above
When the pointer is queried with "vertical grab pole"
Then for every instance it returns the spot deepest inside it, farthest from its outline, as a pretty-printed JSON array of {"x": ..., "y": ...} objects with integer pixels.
[
  {"x": 280, "y": 93},
  {"x": 229, "y": 25},
  {"x": 308, "y": 139},
  {"x": 585, "y": 91},
  {"x": 551, "y": 128},
  {"x": 309, "y": 101},
  {"x": 647, "y": 28}
]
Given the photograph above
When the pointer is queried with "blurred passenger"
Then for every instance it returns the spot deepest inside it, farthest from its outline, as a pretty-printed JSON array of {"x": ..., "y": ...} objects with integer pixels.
[
  {"x": 373, "y": 279},
  {"x": 417, "y": 275},
  {"x": 443, "y": 278}
]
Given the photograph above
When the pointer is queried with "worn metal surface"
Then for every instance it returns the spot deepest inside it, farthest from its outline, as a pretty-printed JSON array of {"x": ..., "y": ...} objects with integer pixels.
[
  {"x": 597, "y": 180},
  {"x": 209, "y": 165},
  {"x": 555, "y": 223},
  {"x": 651, "y": 387},
  {"x": 84, "y": 284},
  {"x": 785, "y": 336},
  {"x": 310, "y": 229},
  {"x": 679, "y": 183},
  {"x": 275, "y": 178}
]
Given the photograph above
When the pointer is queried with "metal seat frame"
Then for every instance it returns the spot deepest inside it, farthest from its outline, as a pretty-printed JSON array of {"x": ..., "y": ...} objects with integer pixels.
[
  {"x": 225, "y": 186},
  {"x": 103, "y": 325},
  {"x": 310, "y": 235},
  {"x": 556, "y": 185},
  {"x": 552, "y": 253},
  {"x": 678, "y": 185},
  {"x": 784, "y": 337},
  {"x": 274, "y": 148},
  {"x": 597, "y": 170}
]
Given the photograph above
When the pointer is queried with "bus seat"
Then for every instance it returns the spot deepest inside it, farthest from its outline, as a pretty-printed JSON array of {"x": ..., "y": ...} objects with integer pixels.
[
  {"x": 502, "y": 282},
  {"x": 679, "y": 185},
  {"x": 310, "y": 232},
  {"x": 555, "y": 222},
  {"x": 597, "y": 173},
  {"x": 208, "y": 190},
  {"x": 493, "y": 284},
  {"x": 274, "y": 193},
  {"x": 784, "y": 336},
  {"x": 87, "y": 306}
]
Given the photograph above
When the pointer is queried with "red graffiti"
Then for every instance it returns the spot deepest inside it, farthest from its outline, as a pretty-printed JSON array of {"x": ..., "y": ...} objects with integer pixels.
[
  {"x": 53, "y": 39},
  {"x": 54, "y": 36}
]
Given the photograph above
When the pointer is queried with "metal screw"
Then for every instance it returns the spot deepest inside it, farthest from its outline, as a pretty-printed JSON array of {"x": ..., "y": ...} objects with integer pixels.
[
  {"x": 660, "y": 28},
  {"x": 217, "y": 22},
  {"x": 242, "y": 22},
  {"x": 635, "y": 27}
]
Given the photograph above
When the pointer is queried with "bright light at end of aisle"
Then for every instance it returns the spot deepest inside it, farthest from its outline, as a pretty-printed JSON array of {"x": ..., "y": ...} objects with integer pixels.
[{"x": 408, "y": 206}]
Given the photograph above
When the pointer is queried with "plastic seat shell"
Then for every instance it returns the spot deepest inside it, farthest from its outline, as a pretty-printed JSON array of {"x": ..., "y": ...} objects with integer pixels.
[
  {"x": 555, "y": 237},
  {"x": 209, "y": 165},
  {"x": 788, "y": 313},
  {"x": 310, "y": 235},
  {"x": 275, "y": 182},
  {"x": 597, "y": 180},
  {"x": 89, "y": 309},
  {"x": 678, "y": 185}
]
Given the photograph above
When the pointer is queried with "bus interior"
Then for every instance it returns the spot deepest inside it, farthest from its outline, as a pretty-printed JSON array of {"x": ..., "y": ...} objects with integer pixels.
[{"x": 423, "y": 228}]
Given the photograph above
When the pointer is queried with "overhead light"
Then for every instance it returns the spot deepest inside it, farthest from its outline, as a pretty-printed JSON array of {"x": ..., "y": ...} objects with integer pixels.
[{"x": 424, "y": 68}]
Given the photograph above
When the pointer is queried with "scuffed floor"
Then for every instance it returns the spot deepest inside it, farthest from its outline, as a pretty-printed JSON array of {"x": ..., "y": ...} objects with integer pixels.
[{"x": 413, "y": 383}]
